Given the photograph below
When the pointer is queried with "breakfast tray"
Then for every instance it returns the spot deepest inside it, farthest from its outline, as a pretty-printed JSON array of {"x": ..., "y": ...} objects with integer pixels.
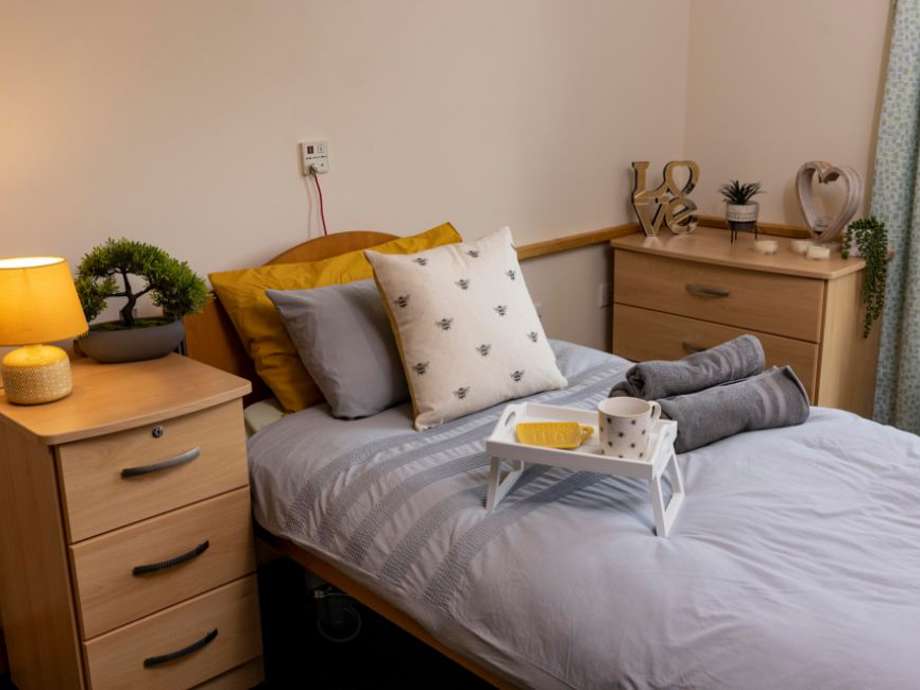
[{"x": 503, "y": 447}]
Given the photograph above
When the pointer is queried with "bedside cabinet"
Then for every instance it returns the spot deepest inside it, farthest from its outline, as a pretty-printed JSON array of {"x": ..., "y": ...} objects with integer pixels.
[
  {"x": 677, "y": 294},
  {"x": 127, "y": 557}
]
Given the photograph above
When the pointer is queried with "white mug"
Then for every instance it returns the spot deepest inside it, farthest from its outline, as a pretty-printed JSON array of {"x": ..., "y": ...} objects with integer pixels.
[{"x": 625, "y": 425}]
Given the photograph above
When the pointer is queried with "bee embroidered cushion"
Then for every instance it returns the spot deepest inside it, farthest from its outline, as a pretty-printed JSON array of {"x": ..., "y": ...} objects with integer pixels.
[{"x": 468, "y": 333}]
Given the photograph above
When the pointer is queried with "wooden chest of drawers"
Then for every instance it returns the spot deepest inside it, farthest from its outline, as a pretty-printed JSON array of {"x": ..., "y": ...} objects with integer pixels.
[
  {"x": 127, "y": 558},
  {"x": 674, "y": 295}
]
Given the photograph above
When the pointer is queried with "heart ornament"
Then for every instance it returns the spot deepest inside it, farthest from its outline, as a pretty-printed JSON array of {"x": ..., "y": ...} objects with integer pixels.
[{"x": 827, "y": 173}]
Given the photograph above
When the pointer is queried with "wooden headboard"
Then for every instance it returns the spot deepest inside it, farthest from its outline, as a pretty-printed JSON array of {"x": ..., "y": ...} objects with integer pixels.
[{"x": 210, "y": 335}]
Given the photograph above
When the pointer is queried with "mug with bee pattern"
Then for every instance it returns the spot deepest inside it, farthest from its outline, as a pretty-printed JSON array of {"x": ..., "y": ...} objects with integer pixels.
[{"x": 625, "y": 425}]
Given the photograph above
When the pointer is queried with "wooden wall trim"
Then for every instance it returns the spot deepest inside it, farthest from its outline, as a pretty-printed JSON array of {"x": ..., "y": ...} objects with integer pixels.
[
  {"x": 777, "y": 229},
  {"x": 567, "y": 243},
  {"x": 570, "y": 242}
]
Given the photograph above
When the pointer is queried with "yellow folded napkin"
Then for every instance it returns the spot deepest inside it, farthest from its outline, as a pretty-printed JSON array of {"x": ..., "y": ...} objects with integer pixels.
[{"x": 564, "y": 435}]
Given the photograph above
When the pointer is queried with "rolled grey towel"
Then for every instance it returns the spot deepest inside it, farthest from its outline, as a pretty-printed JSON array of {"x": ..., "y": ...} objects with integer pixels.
[
  {"x": 731, "y": 361},
  {"x": 772, "y": 399}
]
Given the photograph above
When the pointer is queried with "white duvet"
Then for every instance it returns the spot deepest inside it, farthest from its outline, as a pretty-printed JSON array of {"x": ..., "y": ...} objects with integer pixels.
[{"x": 795, "y": 562}]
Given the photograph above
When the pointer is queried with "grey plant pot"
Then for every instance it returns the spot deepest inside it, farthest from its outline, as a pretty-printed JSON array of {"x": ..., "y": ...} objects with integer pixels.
[{"x": 132, "y": 344}]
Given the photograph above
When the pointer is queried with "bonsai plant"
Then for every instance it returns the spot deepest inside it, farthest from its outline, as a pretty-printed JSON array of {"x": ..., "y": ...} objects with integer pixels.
[
  {"x": 740, "y": 211},
  {"x": 105, "y": 273},
  {"x": 868, "y": 238}
]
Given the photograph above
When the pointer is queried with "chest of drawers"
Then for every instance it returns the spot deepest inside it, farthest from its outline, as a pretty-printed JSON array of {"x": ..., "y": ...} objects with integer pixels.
[
  {"x": 674, "y": 295},
  {"x": 127, "y": 558}
]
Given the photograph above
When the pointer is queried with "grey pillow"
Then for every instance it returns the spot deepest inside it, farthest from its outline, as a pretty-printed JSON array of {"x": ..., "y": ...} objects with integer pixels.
[{"x": 344, "y": 339}]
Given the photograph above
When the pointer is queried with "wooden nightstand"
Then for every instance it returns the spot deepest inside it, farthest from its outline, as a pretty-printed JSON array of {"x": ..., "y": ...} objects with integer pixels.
[
  {"x": 127, "y": 557},
  {"x": 675, "y": 294}
]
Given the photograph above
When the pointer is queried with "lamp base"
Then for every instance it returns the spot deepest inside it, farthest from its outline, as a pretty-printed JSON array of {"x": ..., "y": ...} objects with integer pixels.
[{"x": 36, "y": 374}]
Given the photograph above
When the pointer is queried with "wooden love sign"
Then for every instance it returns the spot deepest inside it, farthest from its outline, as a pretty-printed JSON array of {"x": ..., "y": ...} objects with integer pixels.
[
  {"x": 674, "y": 209},
  {"x": 826, "y": 174}
]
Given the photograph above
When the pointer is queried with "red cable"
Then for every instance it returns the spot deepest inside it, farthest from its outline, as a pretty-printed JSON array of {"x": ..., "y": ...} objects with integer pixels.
[{"x": 322, "y": 210}]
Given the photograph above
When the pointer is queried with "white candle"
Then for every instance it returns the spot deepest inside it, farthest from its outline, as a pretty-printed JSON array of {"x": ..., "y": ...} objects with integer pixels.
[
  {"x": 801, "y": 246},
  {"x": 815, "y": 252},
  {"x": 766, "y": 246}
]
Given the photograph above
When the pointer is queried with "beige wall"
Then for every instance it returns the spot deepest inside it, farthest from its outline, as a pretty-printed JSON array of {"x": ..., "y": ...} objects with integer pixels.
[
  {"x": 774, "y": 84},
  {"x": 177, "y": 123}
]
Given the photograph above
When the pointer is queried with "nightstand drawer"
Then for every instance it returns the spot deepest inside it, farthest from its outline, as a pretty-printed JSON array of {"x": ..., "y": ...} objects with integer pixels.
[
  {"x": 182, "y": 646},
  {"x": 128, "y": 476},
  {"x": 766, "y": 302},
  {"x": 176, "y": 555},
  {"x": 641, "y": 334}
]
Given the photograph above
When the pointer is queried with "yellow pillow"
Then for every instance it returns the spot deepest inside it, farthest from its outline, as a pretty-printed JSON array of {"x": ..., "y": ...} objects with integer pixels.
[{"x": 242, "y": 294}]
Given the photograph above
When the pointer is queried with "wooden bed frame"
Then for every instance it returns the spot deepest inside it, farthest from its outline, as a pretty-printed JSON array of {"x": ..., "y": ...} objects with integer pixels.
[{"x": 212, "y": 339}]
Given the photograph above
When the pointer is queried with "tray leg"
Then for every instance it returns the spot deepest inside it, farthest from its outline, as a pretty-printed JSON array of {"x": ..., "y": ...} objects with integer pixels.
[
  {"x": 666, "y": 515},
  {"x": 499, "y": 484}
]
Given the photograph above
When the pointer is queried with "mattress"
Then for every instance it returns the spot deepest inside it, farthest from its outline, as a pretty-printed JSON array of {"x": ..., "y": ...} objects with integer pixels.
[{"x": 795, "y": 562}]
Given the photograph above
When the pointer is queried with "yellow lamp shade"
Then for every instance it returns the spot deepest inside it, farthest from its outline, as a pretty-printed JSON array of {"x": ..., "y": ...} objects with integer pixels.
[{"x": 38, "y": 302}]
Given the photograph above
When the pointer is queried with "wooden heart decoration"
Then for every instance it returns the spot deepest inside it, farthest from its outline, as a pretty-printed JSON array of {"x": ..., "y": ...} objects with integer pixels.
[{"x": 827, "y": 173}]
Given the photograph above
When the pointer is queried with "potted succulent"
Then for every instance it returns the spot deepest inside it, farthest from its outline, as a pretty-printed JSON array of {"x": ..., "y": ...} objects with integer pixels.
[
  {"x": 740, "y": 211},
  {"x": 868, "y": 238},
  {"x": 105, "y": 272}
]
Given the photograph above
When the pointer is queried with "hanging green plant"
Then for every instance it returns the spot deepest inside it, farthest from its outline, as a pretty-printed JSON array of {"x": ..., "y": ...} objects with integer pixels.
[{"x": 870, "y": 237}]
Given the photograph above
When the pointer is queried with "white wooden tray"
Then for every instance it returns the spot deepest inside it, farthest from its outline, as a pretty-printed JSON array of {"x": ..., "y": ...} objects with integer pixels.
[{"x": 502, "y": 446}]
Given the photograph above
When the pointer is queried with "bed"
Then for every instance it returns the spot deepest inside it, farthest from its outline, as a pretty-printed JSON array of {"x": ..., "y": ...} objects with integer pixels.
[{"x": 796, "y": 562}]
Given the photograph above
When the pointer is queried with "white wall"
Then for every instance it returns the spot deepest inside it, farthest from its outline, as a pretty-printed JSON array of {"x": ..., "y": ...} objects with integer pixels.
[
  {"x": 774, "y": 84},
  {"x": 177, "y": 123}
]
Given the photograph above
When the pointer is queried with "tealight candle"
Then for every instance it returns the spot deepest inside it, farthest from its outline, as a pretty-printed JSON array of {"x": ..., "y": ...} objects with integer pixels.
[
  {"x": 815, "y": 252},
  {"x": 766, "y": 246},
  {"x": 801, "y": 246}
]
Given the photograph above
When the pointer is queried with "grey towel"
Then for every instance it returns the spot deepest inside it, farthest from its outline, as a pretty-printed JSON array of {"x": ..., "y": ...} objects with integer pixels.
[
  {"x": 772, "y": 399},
  {"x": 731, "y": 361}
]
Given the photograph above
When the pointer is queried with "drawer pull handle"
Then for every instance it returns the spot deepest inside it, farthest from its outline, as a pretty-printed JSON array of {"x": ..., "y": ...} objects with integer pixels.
[
  {"x": 706, "y": 291},
  {"x": 180, "y": 459},
  {"x": 691, "y": 348},
  {"x": 172, "y": 562},
  {"x": 152, "y": 661}
]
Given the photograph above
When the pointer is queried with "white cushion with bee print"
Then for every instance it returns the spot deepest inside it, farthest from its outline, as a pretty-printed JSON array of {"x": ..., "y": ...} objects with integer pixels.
[{"x": 468, "y": 332}]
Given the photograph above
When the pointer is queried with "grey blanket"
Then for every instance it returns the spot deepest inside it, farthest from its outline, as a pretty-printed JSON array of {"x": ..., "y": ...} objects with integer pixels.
[
  {"x": 731, "y": 361},
  {"x": 769, "y": 400}
]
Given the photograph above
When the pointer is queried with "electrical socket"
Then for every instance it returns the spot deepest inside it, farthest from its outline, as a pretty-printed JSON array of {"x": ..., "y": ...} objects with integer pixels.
[{"x": 314, "y": 155}]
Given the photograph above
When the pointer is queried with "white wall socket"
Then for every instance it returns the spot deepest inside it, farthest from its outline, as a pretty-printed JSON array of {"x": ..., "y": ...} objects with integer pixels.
[{"x": 314, "y": 155}]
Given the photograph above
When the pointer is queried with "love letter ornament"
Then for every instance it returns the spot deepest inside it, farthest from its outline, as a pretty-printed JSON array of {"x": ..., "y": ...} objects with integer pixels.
[
  {"x": 827, "y": 173},
  {"x": 672, "y": 207}
]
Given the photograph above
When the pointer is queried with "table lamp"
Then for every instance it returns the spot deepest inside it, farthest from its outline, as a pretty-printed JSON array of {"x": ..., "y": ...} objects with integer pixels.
[{"x": 38, "y": 304}]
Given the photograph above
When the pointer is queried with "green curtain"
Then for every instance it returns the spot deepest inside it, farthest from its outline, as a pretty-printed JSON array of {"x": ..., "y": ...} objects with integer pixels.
[{"x": 896, "y": 200}]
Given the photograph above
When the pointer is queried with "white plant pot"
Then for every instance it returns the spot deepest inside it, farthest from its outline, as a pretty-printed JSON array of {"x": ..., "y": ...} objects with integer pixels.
[{"x": 742, "y": 216}]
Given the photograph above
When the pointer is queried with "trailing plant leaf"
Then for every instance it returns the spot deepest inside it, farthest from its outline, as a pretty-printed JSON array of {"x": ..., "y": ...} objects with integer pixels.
[
  {"x": 738, "y": 193},
  {"x": 871, "y": 238},
  {"x": 172, "y": 285}
]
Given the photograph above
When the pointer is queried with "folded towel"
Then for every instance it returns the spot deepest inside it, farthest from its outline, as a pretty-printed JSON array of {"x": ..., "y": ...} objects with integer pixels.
[
  {"x": 731, "y": 361},
  {"x": 772, "y": 399}
]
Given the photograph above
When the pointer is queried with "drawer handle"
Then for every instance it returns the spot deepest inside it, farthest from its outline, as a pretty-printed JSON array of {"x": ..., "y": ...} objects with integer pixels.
[
  {"x": 180, "y": 459},
  {"x": 706, "y": 291},
  {"x": 172, "y": 562},
  {"x": 152, "y": 661},
  {"x": 691, "y": 348}
]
